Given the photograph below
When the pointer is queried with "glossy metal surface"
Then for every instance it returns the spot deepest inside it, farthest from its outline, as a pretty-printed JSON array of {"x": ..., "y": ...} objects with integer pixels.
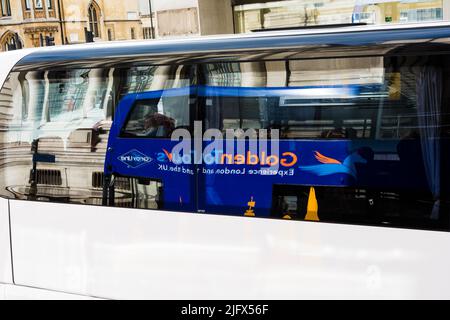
[
  {"x": 271, "y": 45},
  {"x": 8, "y": 60},
  {"x": 125, "y": 253}
]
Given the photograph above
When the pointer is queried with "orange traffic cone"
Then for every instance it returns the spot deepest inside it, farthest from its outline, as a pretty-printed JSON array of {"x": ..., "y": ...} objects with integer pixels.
[{"x": 312, "y": 210}]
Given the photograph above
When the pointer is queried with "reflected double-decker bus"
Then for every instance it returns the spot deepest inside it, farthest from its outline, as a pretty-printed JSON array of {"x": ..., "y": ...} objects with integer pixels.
[{"x": 353, "y": 140}]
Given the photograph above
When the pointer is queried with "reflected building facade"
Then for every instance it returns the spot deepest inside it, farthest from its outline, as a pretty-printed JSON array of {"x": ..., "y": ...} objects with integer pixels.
[
  {"x": 260, "y": 15},
  {"x": 204, "y": 17},
  {"x": 33, "y": 23},
  {"x": 68, "y": 114}
]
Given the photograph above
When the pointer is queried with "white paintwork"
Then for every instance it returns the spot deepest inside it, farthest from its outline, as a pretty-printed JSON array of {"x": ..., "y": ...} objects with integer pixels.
[
  {"x": 5, "y": 249},
  {"x": 126, "y": 253},
  {"x": 8, "y": 60},
  {"x": 12, "y": 292}
]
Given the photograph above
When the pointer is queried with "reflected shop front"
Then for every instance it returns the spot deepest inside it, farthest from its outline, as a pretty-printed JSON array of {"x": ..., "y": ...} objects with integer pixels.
[{"x": 360, "y": 140}]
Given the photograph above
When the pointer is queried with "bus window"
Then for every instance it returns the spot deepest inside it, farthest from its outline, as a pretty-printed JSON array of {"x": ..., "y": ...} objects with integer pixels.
[
  {"x": 358, "y": 98},
  {"x": 370, "y": 136},
  {"x": 157, "y": 118},
  {"x": 141, "y": 148},
  {"x": 67, "y": 114}
]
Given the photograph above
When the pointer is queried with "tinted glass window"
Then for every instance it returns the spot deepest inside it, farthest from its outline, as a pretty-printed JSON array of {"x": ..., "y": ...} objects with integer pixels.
[
  {"x": 371, "y": 135},
  {"x": 363, "y": 140},
  {"x": 60, "y": 120},
  {"x": 359, "y": 98}
]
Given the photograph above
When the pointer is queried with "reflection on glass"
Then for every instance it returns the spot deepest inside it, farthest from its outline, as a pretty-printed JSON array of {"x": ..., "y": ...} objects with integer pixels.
[
  {"x": 370, "y": 136},
  {"x": 68, "y": 114},
  {"x": 301, "y": 13},
  {"x": 158, "y": 118},
  {"x": 388, "y": 112}
]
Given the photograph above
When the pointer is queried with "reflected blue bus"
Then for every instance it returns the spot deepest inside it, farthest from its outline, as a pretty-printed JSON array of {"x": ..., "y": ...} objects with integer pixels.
[
  {"x": 351, "y": 125},
  {"x": 360, "y": 140}
]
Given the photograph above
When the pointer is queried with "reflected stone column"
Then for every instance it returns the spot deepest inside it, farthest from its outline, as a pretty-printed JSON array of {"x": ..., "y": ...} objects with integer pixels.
[
  {"x": 160, "y": 78},
  {"x": 15, "y": 102},
  {"x": 46, "y": 105},
  {"x": 276, "y": 74},
  {"x": 253, "y": 74},
  {"x": 109, "y": 94},
  {"x": 95, "y": 84},
  {"x": 34, "y": 83},
  {"x": 178, "y": 82}
]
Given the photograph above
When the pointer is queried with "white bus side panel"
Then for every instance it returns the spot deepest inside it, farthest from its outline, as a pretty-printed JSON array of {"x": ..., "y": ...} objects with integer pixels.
[
  {"x": 13, "y": 292},
  {"x": 8, "y": 60},
  {"x": 125, "y": 253},
  {"x": 5, "y": 249}
]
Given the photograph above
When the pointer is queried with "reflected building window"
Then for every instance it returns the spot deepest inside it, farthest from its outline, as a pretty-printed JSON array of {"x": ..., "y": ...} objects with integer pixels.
[
  {"x": 421, "y": 15},
  {"x": 67, "y": 92},
  {"x": 134, "y": 80}
]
